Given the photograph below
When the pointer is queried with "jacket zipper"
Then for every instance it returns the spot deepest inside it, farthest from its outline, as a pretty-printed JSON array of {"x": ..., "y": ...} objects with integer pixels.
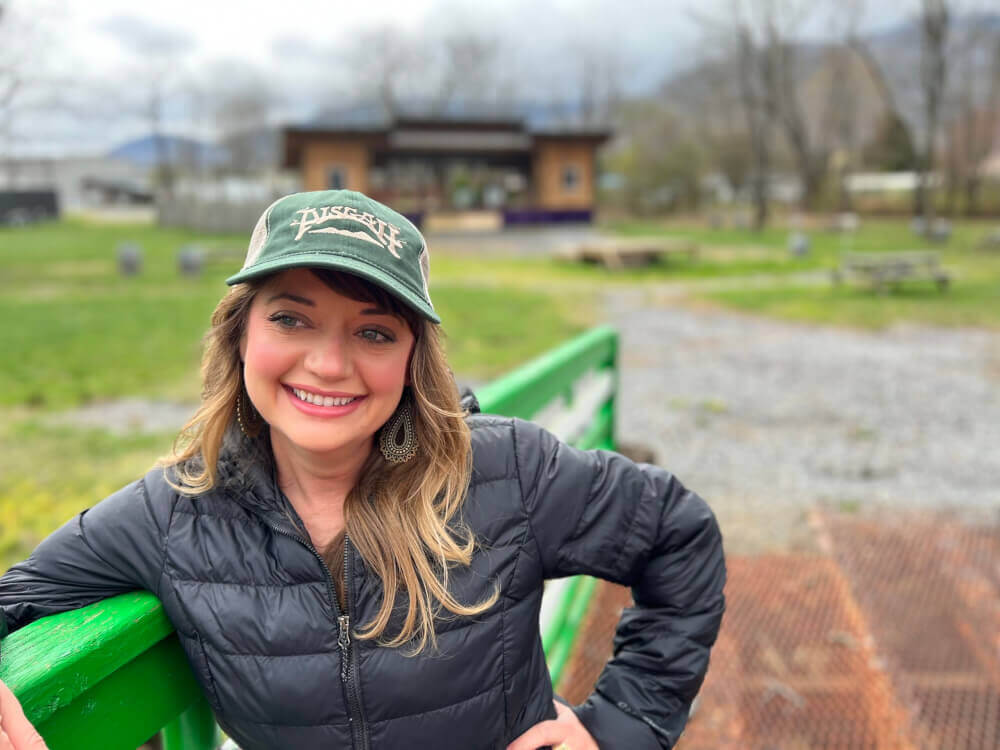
[{"x": 348, "y": 656}]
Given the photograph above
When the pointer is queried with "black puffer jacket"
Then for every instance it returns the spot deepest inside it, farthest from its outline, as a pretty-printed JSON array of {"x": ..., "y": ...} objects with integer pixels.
[{"x": 255, "y": 610}]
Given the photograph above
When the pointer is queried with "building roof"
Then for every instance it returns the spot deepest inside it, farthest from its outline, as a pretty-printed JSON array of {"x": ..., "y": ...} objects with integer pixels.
[
  {"x": 423, "y": 128},
  {"x": 551, "y": 118}
]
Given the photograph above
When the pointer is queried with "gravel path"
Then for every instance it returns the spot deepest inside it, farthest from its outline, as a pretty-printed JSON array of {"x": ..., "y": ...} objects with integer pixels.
[{"x": 768, "y": 419}]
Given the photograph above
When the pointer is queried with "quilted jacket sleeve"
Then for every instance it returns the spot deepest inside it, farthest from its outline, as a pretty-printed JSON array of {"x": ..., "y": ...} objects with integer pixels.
[
  {"x": 598, "y": 513},
  {"x": 114, "y": 547}
]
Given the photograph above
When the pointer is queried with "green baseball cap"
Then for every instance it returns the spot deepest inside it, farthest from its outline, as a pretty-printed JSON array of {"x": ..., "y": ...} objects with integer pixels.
[{"x": 346, "y": 231}]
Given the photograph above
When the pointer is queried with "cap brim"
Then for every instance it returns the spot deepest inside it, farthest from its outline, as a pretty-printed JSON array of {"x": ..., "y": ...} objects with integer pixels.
[{"x": 392, "y": 285}]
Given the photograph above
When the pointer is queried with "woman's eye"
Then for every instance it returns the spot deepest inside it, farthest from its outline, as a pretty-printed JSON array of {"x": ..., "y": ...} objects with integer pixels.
[
  {"x": 375, "y": 336},
  {"x": 285, "y": 321}
]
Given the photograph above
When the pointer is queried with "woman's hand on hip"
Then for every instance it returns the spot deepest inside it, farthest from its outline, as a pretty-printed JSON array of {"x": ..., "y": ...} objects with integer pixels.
[
  {"x": 565, "y": 732},
  {"x": 16, "y": 732}
]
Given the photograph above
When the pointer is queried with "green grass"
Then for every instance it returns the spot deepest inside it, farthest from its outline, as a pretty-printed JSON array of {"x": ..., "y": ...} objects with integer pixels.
[
  {"x": 973, "y": 302},
  {"x": 48, "y": 474}
]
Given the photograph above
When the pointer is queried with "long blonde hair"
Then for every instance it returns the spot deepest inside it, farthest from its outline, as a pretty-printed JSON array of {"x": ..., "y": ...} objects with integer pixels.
[{"x": 401, "y": 517}]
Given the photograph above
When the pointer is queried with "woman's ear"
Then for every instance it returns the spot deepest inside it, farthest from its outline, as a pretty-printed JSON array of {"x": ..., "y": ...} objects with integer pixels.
[{"x": 243, "y": 347}]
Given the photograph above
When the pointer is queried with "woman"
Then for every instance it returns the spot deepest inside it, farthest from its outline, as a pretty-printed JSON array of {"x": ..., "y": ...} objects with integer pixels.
[{"x": 352, "y": 560}]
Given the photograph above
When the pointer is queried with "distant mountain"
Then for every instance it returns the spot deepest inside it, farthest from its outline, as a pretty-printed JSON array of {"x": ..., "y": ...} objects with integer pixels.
[{"x": 178, "y": 150}]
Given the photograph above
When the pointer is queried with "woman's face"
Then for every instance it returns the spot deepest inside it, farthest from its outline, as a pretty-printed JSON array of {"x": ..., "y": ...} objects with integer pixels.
[{"x": 324, "y": 371}]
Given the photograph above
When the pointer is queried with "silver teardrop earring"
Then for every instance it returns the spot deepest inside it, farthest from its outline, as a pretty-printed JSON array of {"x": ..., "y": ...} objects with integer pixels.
[{"x": 398, "y": 438}]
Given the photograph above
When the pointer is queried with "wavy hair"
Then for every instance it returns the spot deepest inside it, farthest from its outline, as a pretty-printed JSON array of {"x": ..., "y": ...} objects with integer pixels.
[{"x": 402, "y": 518}]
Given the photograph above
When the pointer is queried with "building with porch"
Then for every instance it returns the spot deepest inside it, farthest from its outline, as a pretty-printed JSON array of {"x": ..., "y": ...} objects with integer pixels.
[{"x": 519, "y": 168}]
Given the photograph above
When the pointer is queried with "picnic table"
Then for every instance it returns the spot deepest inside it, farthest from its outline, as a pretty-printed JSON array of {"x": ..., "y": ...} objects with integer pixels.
[
  {"x": 617, "y": 253},
  {"x": 881, "y": 270}
]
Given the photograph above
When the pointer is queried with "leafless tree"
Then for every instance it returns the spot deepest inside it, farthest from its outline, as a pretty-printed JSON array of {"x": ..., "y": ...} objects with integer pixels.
[
  {"x": 467, "y": 67},
  {"x": 243, "y": 103},
  {"x": 755, "y": 75},
  {"x": 23, "y": 89},
  {"x": 712, "y": 104},
  {"x": 935, "y": 25},
  {"x": 973, "y": 104},
  {"x": 742, "y": 68},
  {"x": 759, "y": 38},
  {"x": 384, "y": 59},
  {"x": 601, "y": 70},
  {"x": 151, "y": 84}
]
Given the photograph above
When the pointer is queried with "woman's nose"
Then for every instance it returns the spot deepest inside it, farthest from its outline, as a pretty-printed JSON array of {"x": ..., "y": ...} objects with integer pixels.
[{"x": 330, "y": 358}]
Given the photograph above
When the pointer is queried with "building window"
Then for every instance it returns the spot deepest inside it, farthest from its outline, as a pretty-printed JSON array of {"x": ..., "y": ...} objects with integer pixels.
[
  {"x": 570, "y": 178},
  {"x": 336, "y": 178}
]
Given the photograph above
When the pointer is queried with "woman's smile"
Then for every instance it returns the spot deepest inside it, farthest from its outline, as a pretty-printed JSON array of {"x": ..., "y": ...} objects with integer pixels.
[{"x": 320, "y": 405}]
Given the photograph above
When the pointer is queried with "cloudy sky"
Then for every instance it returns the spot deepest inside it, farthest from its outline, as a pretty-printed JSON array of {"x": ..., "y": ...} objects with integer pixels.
[{"x": 94, "y": 59}]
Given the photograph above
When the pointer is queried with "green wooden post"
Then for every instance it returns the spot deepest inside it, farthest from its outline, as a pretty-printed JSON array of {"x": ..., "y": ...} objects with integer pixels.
[{"x": 195, "y": 728}]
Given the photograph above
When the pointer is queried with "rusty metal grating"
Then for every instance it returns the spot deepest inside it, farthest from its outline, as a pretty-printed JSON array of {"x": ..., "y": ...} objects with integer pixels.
[
  {"x": 930, "y": 587},
  {"x": 890, "y": 641},
  {"x": 794, "y": 667}
]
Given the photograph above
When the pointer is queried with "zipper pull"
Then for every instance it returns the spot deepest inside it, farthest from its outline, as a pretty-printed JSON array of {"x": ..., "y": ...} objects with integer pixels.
[{"x": 344, "y": 641}]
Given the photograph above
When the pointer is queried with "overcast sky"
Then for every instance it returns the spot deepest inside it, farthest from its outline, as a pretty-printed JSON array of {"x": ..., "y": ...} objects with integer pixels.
[{"x": 99, "y": 45}]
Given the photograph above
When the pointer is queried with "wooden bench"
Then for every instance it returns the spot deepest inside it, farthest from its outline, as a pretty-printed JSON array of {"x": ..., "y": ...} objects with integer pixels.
[
  {"x": 882, "y": 270},
  {"x": 617, "y": 253}
]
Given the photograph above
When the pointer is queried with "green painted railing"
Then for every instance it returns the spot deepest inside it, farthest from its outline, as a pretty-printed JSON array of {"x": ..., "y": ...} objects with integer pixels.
[{"x": 114, "y": 672}]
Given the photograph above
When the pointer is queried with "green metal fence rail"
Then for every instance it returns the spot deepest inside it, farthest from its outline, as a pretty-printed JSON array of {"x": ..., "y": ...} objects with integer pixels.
[{"x": 114, "y": 672}]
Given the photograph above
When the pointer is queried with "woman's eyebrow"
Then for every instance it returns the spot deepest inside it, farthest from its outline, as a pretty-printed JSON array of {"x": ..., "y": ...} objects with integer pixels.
[
  {"x": 293, "y": 298},
  {"x": 376, "y": 311}
]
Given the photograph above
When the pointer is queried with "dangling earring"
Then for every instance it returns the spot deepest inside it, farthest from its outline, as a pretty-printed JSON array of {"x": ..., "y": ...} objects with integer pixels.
[
  {"x": 398, "y": 439},
  {"x": 239, "y": 416}
]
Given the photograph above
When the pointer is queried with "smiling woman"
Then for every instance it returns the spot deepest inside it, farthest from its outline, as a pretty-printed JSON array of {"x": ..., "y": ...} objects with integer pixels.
[{"x": 351, "y": 558}]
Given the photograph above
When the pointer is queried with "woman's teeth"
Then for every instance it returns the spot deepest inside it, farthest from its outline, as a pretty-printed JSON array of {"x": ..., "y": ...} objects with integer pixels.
[{"x": 315, "y": 398}]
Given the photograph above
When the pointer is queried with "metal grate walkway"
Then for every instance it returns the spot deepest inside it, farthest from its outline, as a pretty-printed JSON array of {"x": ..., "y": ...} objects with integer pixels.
[{"x": 889, "y": 640}]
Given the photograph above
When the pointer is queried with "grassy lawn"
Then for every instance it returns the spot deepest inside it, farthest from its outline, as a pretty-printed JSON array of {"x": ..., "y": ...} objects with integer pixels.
[
  {"x": 972, "y": 300},
  {"x": 77, "y": 332},
  {"x": 969, "y": 302}
]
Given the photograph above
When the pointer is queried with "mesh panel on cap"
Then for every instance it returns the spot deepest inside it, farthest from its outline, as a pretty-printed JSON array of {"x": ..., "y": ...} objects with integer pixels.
[
  {"x": 425, "y": 269},
  {"x": 259, "y": 236}
]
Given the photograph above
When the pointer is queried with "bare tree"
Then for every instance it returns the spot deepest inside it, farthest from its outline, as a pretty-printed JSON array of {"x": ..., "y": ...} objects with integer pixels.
[
  {"x": 468, "y": 68},
  {"x": 759, "y": 37},
  {"x": 755, "y": 74},
  {"x": 935, "y": 24},
  {"x": 384, "y": 58},
  {"x": 601, "y": 69},
  {"x": 712, "y": 103},
  {"x": 153, "y": 82},
  {"x": 242, "y": 106},
  {"x": 974, "y": 102},
  {"x": 23, "y": 88}
]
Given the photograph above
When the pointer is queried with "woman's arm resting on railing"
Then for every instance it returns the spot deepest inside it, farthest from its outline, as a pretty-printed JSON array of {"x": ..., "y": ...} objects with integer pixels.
[
  {"x": 114, "y": 547},
  {"x": 599, "y": 513},
  {"x": 16, "y": 732}
]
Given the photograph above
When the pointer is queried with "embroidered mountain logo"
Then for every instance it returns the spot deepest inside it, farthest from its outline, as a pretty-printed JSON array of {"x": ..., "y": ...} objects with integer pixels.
[{"x": 376, "y": 231}]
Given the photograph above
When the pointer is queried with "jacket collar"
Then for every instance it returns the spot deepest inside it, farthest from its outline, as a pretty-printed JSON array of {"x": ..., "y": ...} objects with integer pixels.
[{"x": 246, "y": 474}]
